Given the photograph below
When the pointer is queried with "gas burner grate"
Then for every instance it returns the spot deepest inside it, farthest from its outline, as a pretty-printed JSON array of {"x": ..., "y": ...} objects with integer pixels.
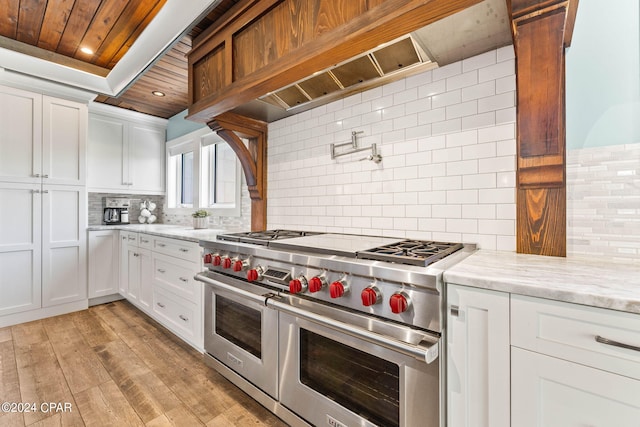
[
  {"x": 264, "y": 237},
  {"x": 412, "y": 252}
]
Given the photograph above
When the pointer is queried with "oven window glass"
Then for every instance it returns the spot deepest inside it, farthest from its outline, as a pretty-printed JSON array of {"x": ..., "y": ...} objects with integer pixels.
[
  {"x": 239, "y": 324},
  {"x": 358, "y": 381}
]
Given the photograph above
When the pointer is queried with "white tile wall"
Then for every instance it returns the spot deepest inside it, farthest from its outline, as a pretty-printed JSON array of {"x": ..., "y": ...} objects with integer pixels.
[
  {"x": 447, "y": 139},
  {"x": 603, "y": 201}
]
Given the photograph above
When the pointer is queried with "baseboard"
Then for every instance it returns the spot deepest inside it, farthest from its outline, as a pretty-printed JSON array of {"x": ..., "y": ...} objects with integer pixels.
[{"x": 42, "y": 313}]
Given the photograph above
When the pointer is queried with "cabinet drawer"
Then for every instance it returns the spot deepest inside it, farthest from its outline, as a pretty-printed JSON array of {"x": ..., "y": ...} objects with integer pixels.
[
  {"x": 179, "y": 248},
  {"x": 175, "y": 275},
  {"x": 145, "y": 241},
  {"x": 130, "y": 237},
  {"x": 176, "y": 314},
  {"x": 571, "y": 331}
]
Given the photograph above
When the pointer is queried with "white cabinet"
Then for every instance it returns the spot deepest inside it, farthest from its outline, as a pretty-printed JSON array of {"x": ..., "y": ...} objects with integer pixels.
[
  {"x": 42, "y": 203},
  {"x": 20, "y": 247},
  {"x": 135, "y": 271},
  {"x": 43, "y": 138},
  {"x": 103, "y": 263},
  {"x": 126, "y": 152},
  {"x": 568, "y": 367},
  {"x": 477, "y": 335}
]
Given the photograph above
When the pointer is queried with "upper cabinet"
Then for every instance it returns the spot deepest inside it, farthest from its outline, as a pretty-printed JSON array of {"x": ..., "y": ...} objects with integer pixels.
[
  {"x": 126, "y": 152},
  {"x": 42, "y": 138}
]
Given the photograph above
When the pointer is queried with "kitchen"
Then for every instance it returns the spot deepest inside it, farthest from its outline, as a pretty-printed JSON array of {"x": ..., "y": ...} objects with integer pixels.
[{"x": 447, "y": 141}]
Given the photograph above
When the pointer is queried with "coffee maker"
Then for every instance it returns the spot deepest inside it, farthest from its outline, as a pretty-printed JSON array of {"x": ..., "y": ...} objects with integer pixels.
[{"x": 116, "y": 211}]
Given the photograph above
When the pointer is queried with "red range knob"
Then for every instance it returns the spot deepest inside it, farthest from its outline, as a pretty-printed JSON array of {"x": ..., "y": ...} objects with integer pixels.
[
  {"x": 369, "y": 296},
  {"x": 239, "y": 265},
  {"x": 295, "y": 286},
  {"x": 398, "y": 303},
  {"x": 226, "y": 263},
  {"x": 315, "y": 284},
  {"x": 208, "y": 258},
  {"x": 336, "y": 289},
  {"x": 217, "y": 260},
  {"x": 253, "y": 275}
]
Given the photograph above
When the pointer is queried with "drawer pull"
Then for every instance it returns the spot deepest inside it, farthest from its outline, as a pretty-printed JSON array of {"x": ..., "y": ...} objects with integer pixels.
[
  {"x": 606, "y": 341},
  {"x": 455, "y": 310},
  {"x": 159, "y": 304},
  {"x": 162, "y": 245},
  {"x": 182, "y": 279},
  {"x": 132, "y": 238},
  {"x": 161, "y": 271},
  {"x": 183, "y": 318},
  {"x": 144, "y": 240},
  {"x": 184, "y": 250}
]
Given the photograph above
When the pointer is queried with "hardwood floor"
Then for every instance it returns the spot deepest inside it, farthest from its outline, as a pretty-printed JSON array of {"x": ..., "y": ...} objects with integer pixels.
[{"x": 113, "y": 366}]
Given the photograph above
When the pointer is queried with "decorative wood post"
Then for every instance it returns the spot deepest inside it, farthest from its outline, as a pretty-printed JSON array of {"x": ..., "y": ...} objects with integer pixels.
[
  {"x": 232, "y": 127},
  {"x": 541, "y": 31}
]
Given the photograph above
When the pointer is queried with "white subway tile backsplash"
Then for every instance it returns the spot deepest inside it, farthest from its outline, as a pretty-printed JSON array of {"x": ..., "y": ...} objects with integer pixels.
[{"x": 447, "y": 140}]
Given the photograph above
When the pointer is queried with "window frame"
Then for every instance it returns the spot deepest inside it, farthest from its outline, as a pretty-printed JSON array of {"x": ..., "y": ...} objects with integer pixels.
[{"x": 195, "y": 141}]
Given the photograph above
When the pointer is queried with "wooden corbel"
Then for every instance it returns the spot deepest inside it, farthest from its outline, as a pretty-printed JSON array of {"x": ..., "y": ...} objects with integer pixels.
[
  {"x": 542, "y": 30},
  {"x": 232, "y": 127}
]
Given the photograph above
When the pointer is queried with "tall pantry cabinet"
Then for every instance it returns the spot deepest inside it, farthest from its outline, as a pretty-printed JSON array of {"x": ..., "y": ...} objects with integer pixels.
[{"x": 42, "y": 201}]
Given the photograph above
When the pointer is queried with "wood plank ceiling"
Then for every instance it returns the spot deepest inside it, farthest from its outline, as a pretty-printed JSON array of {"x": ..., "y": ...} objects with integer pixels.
[{"x": 56, "y": 30}]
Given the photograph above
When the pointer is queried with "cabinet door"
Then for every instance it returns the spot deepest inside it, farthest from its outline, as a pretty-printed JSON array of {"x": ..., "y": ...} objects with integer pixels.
[
  {"x": 478, "y": 389},
  {"x": 123, "y": 283},
  {"x": 146, "y": 158},
  {"x": 145, "y": 296},
  {"x": 133, "y": 274},
  {"x": 64, "y": 136},
  {"x": 20, "y": 136},
  {"x": 107, "y": 153},
  {"x": 64, "y": 245},
  {"x": 552, "y": 392},
  {"x": 103, "y": 263},
  {"x": 20, "y": 247}
]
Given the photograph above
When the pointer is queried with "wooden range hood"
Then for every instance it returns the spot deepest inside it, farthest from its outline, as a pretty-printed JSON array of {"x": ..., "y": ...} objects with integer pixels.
[{"x": 269, "y": 48}]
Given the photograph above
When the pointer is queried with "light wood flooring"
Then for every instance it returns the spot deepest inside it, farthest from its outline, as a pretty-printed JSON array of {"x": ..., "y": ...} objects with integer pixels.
[{"x": 116, "y": 367}]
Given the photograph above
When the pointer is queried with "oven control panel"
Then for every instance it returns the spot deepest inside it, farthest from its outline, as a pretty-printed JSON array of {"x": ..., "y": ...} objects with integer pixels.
[{"x": 384, "y": 298}]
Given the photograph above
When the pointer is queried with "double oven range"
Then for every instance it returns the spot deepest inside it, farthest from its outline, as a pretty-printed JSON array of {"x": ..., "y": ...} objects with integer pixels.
[{"x": 330, "y": 329}]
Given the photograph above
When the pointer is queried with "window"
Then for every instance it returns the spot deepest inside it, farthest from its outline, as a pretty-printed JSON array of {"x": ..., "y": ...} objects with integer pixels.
[{"x": 203, "y": 172}]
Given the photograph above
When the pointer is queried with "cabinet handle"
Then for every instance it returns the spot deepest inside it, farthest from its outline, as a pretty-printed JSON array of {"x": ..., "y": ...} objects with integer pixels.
[
  {"x": 182, "y": 279},
  {"x": 162, "y": 245},
  {"x": 45, "y": 176},
  {"x": 37, "y": 175},
  {"x": 144, "y": 241},
  {"x": 135, "y": 254},
  {"x": 35, "y": 191},
  {"x": 455, "y": 310},
  {"x": 124, "y": 237},
  {"x": 45, "y": 191},
  {"x": 161, "y": 271},
  {"x": 159, "y": 304},
  {"x": 613, "y": 343},
  {"x": 183, "y": 318},
  {"x": 184, "y": 250},
  {"x": 132, "y": 238}
]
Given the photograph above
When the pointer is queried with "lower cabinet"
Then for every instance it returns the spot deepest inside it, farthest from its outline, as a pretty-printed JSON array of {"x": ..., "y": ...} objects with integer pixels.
[
  {"x": 156, "y": 275},
  {"x": 104, "y": 263},
  {"x": 477, "y": 357},
  {"x": 524, "y": 361}
]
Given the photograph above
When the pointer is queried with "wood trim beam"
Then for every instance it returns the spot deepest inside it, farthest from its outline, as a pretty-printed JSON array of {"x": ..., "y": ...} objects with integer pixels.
[
  {"x": 232, "y": 128},
  {"x": 541, "y": 31}
]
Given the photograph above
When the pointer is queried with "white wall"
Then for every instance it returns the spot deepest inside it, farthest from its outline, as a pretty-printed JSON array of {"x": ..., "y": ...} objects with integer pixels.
[{"x": 447, "y": 138}]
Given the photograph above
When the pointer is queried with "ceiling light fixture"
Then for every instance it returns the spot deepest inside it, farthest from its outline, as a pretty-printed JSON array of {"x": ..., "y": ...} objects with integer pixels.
[
  {"x": 158, "y": 93},
  {"x": 86, "y": 50}
]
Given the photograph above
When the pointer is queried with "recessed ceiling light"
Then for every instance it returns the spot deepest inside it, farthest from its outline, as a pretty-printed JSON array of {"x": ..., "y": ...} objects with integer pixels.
[
  {"x": 158, "y": 93},
  {"x": 86, "y": 50}
]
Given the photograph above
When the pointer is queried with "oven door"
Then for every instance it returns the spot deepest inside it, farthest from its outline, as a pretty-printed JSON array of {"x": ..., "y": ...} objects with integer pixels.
[
  {"x": 329, "y": 377},
  {"x": 240, "y": 331}
]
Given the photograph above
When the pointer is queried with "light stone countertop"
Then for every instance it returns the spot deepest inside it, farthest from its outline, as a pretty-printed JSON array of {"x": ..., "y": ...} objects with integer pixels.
[
  {"x": 599, "y": 283},
  {"x": 181, "y": 232}
]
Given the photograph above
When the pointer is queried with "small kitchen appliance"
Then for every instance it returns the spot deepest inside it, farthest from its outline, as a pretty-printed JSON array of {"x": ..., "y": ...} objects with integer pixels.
[
  {"x": 116, "y": 211},
  {"x": 330, "y": 329}
]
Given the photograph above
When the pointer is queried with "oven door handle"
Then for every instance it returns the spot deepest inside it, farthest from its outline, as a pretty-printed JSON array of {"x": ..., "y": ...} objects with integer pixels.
[
  {"x": 261, "y": 299},
  {"x": 426, "y": 351}
]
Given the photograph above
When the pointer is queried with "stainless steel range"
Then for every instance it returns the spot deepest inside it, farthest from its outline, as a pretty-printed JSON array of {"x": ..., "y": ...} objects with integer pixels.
[{"x": 330, "y": 329}]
